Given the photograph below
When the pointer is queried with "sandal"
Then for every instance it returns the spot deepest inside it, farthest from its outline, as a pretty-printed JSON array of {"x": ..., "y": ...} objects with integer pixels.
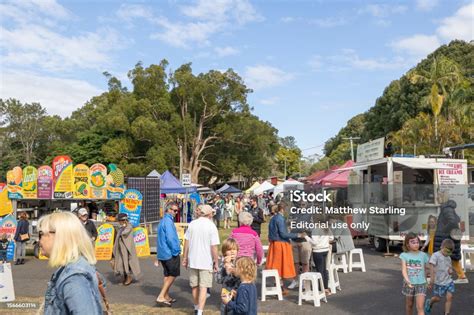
[
  {"x": 163, "y": 304},
  {"x": 172, "y": 300}
]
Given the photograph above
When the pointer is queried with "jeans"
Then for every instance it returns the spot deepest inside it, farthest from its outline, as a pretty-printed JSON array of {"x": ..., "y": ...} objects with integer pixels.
[
  {"x": 320, "y": 262},
  {"x": 20, "y": 250}
]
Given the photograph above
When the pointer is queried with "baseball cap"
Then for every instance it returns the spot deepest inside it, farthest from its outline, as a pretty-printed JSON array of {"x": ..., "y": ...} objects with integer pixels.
[
  {"x": 206, "y": 209},
  {"x": 82, "y": 211}
]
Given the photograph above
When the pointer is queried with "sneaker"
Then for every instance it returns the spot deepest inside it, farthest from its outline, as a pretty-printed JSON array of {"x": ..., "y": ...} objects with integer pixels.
[
  {"x": 293, "y": 285},
  {"x": 427, "y": 307},
  {"x": 461, "y": 281}
]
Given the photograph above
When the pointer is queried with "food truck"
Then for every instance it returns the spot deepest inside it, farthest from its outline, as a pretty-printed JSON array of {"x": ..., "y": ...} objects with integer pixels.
[{"x": 400, "y": 193}]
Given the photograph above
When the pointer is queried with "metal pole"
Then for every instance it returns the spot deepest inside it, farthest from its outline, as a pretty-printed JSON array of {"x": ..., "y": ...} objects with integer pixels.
[
  {"x": 352, "y": 145},
  {"x": 180, "y": 162},
  {"x": 285, "y": 168}
]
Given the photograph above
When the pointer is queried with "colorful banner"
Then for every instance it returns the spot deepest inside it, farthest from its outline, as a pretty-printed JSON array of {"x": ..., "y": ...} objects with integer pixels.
[
  {"x": 181, "y": 229},
  {"x": 98, "y": 173},
  {"x": 115, "y": 183},
  {"x": 15, "y": 183},
  {"x": 104, "y": 244},
  {"x": 45, "y": 182},
  {"x": 142, "y": 245},
  {"x": 6, "y": 206},
  {"x": 11, "y": 251},
  {"x": 131, "y": 204},
  {"x": 30, "y": 181},
  {"x": 8, "y": 226},
  {"x": 81, "y": 181},
  {"x": 62, "y": 171}
]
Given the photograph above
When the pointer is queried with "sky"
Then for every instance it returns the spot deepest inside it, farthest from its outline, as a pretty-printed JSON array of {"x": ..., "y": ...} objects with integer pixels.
[{"x": 312, "y": 65}]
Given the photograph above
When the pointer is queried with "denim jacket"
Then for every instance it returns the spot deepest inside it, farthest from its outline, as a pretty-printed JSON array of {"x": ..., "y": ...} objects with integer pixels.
[
  {"x": 73, "y": 289},
  {"x": 277, "y": 230}
]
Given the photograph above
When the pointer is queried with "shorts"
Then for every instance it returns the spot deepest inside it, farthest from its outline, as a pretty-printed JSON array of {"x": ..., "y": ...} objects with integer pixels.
[
  {"x": 171, "y": 267},
  {"x": 301, "y": 252},
  {"x": 200, "y": 278},
  {"x": 417, "y": 289},
  {"x": 441, "y": 290}
]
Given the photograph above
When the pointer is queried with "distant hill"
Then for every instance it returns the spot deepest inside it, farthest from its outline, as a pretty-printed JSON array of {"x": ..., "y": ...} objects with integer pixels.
[{"x": 405, "y": 114}]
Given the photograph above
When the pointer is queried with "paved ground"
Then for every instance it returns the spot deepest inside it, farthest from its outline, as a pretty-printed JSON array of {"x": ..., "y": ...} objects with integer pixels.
[{"x": 375, "y": 292}]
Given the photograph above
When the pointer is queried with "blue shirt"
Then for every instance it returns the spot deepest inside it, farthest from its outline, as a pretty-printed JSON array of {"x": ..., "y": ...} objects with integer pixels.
[
  {"x": 416, "y": 263},
  {"x": 167, "y": 244},
  {"x": 246, "y": 301},
  {"x": 277, "y": 230}
]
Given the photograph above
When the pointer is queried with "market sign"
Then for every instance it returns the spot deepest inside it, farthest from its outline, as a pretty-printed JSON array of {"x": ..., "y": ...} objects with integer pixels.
[
  {"x": 15, "y": 183},
  {"x": 45, "y": 182},
  {"x": 98, "y": 173},
  {"x": 30, "y": 179},
  {"x": 81, "y": 181},
  {"x": 131, "y": 204},
  {"x": 6, "y": 206},
  {"x": 115, "y": 183},
  {"x": 369, "y": 151},
  {"x": 186, "y": 179},
  {"x": 8, "y": 226},
  {"x": 104, "y": 244},
  {"x": 62, "y": 171},
  {"x": 142, "y": 245}
]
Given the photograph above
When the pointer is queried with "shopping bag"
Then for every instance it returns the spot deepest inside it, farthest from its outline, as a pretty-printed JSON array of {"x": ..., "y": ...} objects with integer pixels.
[{"x": 7, "y": 292}]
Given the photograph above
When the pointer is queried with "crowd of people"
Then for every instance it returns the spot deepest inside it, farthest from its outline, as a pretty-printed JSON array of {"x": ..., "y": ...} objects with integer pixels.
[{"x": 67, "y": 239}]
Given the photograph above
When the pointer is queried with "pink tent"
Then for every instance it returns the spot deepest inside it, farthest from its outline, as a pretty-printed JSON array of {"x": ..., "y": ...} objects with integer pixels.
[{"x": 335, "y": 178}]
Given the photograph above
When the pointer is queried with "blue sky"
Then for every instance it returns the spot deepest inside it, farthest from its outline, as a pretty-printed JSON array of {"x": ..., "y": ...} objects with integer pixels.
[{"x": 312, "y": 64}]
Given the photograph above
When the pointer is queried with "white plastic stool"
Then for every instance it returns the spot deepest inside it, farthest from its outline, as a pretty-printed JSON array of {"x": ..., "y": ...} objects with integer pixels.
[
  {"x": 333, "y": 279},
  {"x": 271, "y": 273},
  {"x": 340, "y": 261},
  {"x": 315, "y": 294},
  {"x": 356, "y": 264}
]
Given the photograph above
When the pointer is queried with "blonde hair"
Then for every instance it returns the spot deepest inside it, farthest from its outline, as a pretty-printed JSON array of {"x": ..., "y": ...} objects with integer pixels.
[
  {"x": 71, "y": 240},
  {"x": 246, "y": 269},
  {"x": 229, "y": 244}
]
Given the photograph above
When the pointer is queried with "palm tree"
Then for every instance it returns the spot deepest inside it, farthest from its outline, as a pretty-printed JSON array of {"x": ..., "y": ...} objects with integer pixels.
[{"x": 444, "y": 76}]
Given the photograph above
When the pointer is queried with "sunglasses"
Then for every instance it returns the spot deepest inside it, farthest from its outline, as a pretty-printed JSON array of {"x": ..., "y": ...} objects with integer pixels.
[
  {"x": 41, "y": 233},
  {"x": 175, "y": 210}
]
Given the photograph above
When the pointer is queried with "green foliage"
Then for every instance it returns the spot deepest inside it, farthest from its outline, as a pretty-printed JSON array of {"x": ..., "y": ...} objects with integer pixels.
[
  {"x": 433, "y": 100},
  {"x": 141, "y": 130}
]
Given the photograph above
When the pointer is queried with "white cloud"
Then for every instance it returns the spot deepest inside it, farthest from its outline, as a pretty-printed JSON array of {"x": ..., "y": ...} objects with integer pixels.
[
  {"x": 35, "y": 45},
  {"x": 57, "y": 95},
  {"x": 460, "y": 25},
  {"x": 207, "y": 18},
  {"x": 348, "y": 59},
  {"x": 426, "y": 5},
  {"x": 129, "y": 12},
  {"x": 383, "y": 10},
  {"x": 417, "y": 45},
  {"x": 329, "y": 22},
  {"x": 226, "y": 51},
  {"x": 287, "y": 19},
  {"x": 262, "y": 77},
  {"x": 316, "y": 62},
  {"x": 27, "y": 10},
  {"x": 269, "y": 101}
]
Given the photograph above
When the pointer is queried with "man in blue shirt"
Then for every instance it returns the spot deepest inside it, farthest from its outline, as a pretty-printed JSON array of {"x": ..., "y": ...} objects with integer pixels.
[{"x": 168, "y": 250}]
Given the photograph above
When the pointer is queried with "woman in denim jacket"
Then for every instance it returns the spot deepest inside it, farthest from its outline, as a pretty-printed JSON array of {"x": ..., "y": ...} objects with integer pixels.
[{"x": 73, "y": 288}]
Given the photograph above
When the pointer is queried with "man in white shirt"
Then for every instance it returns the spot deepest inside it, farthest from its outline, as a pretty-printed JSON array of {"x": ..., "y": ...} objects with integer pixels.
[{"x": 200, "y": 255}]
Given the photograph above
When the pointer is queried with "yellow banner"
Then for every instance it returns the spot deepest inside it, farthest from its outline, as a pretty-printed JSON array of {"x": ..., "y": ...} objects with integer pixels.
[
  {"x": 5, "y": 203},
  {"x": 30, "y": 182},
  {"x": 181, "y": 229},
  {"x": 15, "y": 183},
  {"x": 142, "y": 245},
  {"x": 81, "y": 181},
  {"x": 104, "y": 244}
]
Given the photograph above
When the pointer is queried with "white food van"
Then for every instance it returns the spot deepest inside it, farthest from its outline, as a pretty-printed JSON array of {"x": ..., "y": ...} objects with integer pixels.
[{"x": 407, "y": 188}]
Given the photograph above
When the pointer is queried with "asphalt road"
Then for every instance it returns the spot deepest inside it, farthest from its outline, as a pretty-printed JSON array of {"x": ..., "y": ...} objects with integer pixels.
[{"x": 376, "y": 291}]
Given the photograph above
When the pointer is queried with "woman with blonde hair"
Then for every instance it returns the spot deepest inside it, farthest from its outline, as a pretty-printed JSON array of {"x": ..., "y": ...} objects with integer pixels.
[{"x": 73, "y": 288}]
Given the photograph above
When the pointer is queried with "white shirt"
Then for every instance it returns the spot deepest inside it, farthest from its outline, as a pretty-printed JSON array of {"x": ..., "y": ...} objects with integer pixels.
[
  {"x": 319, "y": 240},
  {"x": 201, "y": 235}
]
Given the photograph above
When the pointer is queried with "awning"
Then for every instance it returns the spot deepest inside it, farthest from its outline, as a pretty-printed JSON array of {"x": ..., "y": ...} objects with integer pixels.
[{"x": 420, "y": 164}]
